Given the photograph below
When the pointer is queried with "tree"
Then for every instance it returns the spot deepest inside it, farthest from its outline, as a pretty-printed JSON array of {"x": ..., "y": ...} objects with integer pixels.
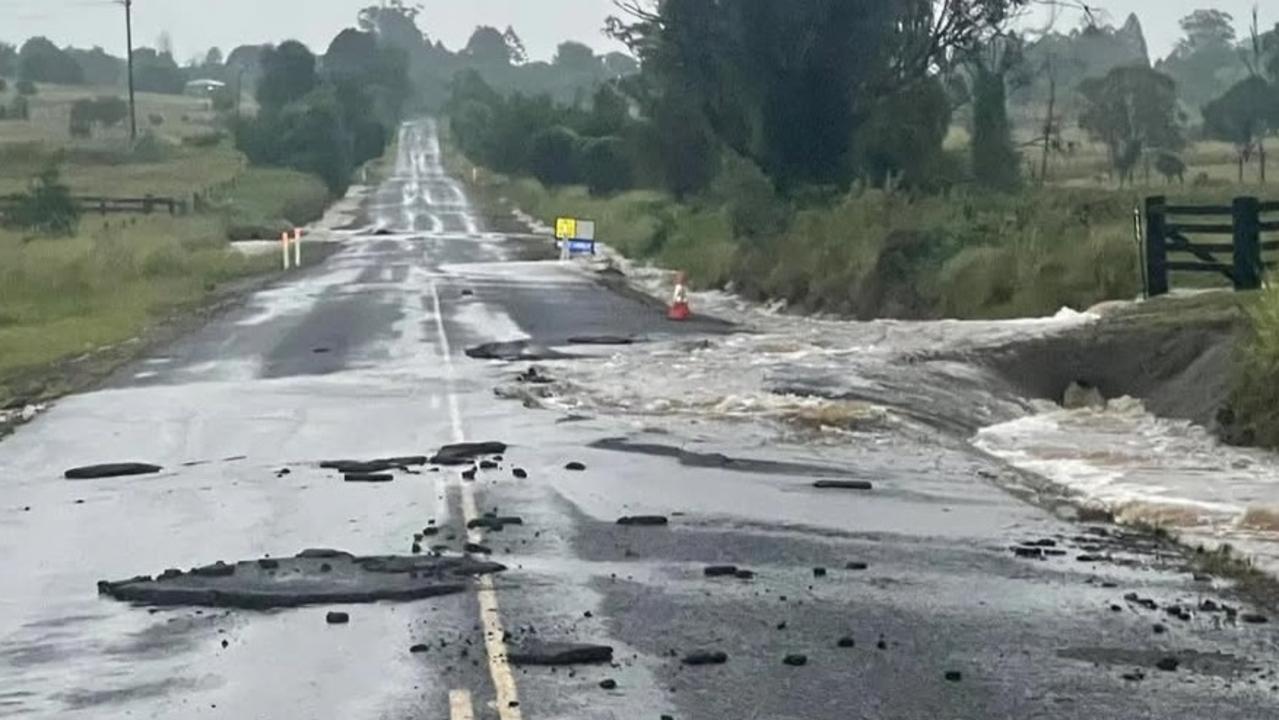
[
  {"x": 575, "y": 57},
  {"x": 8, "y": 60},
  {"x": 307, "y": 134},
  {"x": 1206, "y": 58},
  {"x": 605, "y": 167},
  {"x": 288, "y": 74},
  {"x": 1244, "y": 116},
  {"x": 1132, "y": 109},
  {"x": 519, "y": 54},
  {"x": 488, "y": 47},
  {"x": 902, "y": 140},
  {"x": 99, "y": 67},
  {"x": 47, "y": 207},
  {"x": 610, "y": 111},
  {"x": 42, "y": 61},
  {"x": 156, "y": 71},
  {"x": 552, "y": 156},
  {"x": 104, "y": 111},
  {"x": 996, "y": 163},
  {"x": 353, "y": 56},
  {"x": 213, "y": 58},
  {"x": 786, "y": 84},
  {"x": 618, "y": 65}
]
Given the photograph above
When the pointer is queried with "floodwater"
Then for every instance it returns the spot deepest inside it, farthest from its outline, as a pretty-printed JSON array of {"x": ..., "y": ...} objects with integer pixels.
[{"x": 820, "y": 380}]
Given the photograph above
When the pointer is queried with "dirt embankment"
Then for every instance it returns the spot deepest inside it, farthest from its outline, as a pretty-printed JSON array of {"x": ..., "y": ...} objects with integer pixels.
[{"x": 1173, "y": 353}]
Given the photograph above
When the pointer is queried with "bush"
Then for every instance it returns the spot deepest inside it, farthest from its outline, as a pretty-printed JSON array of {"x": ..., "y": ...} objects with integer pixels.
[
  {"x": 47, "y": 207},
  {"x": 150, "y": 149},
  {"x": 204, "y": 140},
  {"x": 20, "y": 109},
  {"x": 156, "y": 119},
  {"x": 1254, "y": 401},
  {"x": 754, "y": 209},
  {"x": 26, "y": 87},
  {"x": 605, "y": 166},
  {"x": 551, "y": 156}
]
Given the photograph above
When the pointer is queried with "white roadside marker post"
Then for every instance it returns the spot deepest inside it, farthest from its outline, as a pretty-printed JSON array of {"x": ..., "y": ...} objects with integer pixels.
[
  {"x": 284, "y": 249},
  {"x": 297, "y": 247}
]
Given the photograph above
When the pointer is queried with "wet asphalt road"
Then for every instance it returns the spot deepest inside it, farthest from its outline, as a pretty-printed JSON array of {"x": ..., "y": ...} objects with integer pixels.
[{"x": 363, "y": 357}]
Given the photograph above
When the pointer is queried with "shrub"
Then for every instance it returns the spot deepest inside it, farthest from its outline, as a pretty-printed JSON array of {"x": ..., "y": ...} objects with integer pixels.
[
  {"x": 551, "y": 156},
  {"x": 47, "y": 207},
  {"x": 20, "y": 109},
  {"x": 204, "y": 140},
  {"x": 150, "y": 149},
  {"x": 156, "y": 119},
  {"x": 754, "y": 209},
  {"x": 605, "y": 166}
]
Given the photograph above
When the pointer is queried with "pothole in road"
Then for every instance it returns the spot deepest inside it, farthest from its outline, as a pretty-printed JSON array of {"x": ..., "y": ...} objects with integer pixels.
[{"x": 312, "y": 577}]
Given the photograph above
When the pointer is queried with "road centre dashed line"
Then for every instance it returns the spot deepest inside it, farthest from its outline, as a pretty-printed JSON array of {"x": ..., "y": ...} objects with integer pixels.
[{"x": 508, "y": 706}]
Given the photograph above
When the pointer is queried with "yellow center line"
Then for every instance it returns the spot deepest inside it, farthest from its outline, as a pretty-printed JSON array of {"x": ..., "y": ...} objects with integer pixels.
[
  {"x": 460, "y": 706},
  {"x": 508, "y": 699}
]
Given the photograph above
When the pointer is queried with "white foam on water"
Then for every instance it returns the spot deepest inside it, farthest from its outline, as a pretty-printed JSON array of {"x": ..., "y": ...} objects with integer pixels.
[{"x": 1149, "y": 469}]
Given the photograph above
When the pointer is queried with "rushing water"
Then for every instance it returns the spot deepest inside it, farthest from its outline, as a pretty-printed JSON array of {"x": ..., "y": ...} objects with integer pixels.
[{"x": 832, "y": 381}]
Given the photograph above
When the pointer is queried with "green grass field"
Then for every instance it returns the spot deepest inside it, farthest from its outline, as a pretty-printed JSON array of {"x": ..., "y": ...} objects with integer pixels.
[{"x": 63, "y": 297}]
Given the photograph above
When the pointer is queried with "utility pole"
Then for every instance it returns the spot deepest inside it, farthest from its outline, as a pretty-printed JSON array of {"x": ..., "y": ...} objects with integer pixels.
[{"x": 128, "y": 35}]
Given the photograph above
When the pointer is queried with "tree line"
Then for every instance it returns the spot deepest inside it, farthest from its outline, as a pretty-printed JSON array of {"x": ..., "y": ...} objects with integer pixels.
[{"x": 823, "y": 95}]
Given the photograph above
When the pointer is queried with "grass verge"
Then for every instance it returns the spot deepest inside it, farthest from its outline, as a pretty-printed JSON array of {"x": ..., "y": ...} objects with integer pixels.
[{"x": 64, "y": 297}]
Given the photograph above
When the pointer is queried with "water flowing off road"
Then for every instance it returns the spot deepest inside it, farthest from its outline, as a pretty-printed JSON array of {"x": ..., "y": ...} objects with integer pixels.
[{"x": 950, "y": 585}]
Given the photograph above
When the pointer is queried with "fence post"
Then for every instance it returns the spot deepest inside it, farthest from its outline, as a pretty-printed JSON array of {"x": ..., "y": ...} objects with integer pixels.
[
  {"x": 1247, "y": 221},
  {"x": 1156, "y": 247}
]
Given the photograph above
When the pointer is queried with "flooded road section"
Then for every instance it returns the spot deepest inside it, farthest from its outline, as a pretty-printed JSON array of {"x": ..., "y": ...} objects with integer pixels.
[{"x": 781, "y": 518}]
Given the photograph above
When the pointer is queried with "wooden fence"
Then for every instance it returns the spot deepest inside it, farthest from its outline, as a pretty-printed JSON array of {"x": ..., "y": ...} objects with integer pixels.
[
  {"x": 1170, "y": 229},
  {"x": 109, "y": 205}
]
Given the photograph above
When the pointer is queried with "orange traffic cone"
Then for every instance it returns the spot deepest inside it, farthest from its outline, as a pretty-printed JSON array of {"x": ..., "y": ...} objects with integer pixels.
[{"x": 679, "y": 309}]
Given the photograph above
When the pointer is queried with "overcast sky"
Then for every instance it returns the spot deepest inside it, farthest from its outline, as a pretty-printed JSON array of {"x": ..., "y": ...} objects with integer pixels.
[{"x": 195, "y": 25}]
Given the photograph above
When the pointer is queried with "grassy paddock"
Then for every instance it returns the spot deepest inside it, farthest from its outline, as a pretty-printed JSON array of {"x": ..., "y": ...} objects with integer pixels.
[{"x": 60, "y": 297}]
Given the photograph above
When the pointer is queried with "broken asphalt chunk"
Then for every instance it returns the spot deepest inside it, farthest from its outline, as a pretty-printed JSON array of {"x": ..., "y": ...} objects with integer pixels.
[
  {"x": 337, "y": 618},
  {"x": 372, "y": 478},
  {"x": 720, "y": 570},
  {"x": 706, "y": 657},
  {"x": 643, "y": 520},
  {"x": 465, "y": 453},
  {"x": 575, "y": 466},
  {"x": 559, "y": 653},
  {"x": 795, "y": 660},
  {"x": 843, "y": 485},
  {"x": 520, "y": 473},
  {"x": 110, "y": 470},
  {"x": 318, "y": 577}
]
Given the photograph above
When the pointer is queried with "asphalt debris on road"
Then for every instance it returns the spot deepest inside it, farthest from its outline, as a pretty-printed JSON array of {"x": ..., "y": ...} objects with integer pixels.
[
  {"x": 111, "y": 470},
  {"x": 575, "y": 466},
  {"x": 643, "y": 520},
  {"x": 337, "y": 618},
  {"x": 369, "y": 478},
  {"x": 720, "y": 570},
  {"x": 795, "y": 660},
  {"x": 304, "y": 580},
  {"x": 550, "y": 653},
  {"x": 843, "y": 485},
  {"x": 514, "y": 351},
  {"x": 705, "y": 657},
  {"x": 519, "y": 473},
  {"x": 608, "y": 684},
  {"x": 601, "y": 340},
  {"x": 466, "y": 453}
]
